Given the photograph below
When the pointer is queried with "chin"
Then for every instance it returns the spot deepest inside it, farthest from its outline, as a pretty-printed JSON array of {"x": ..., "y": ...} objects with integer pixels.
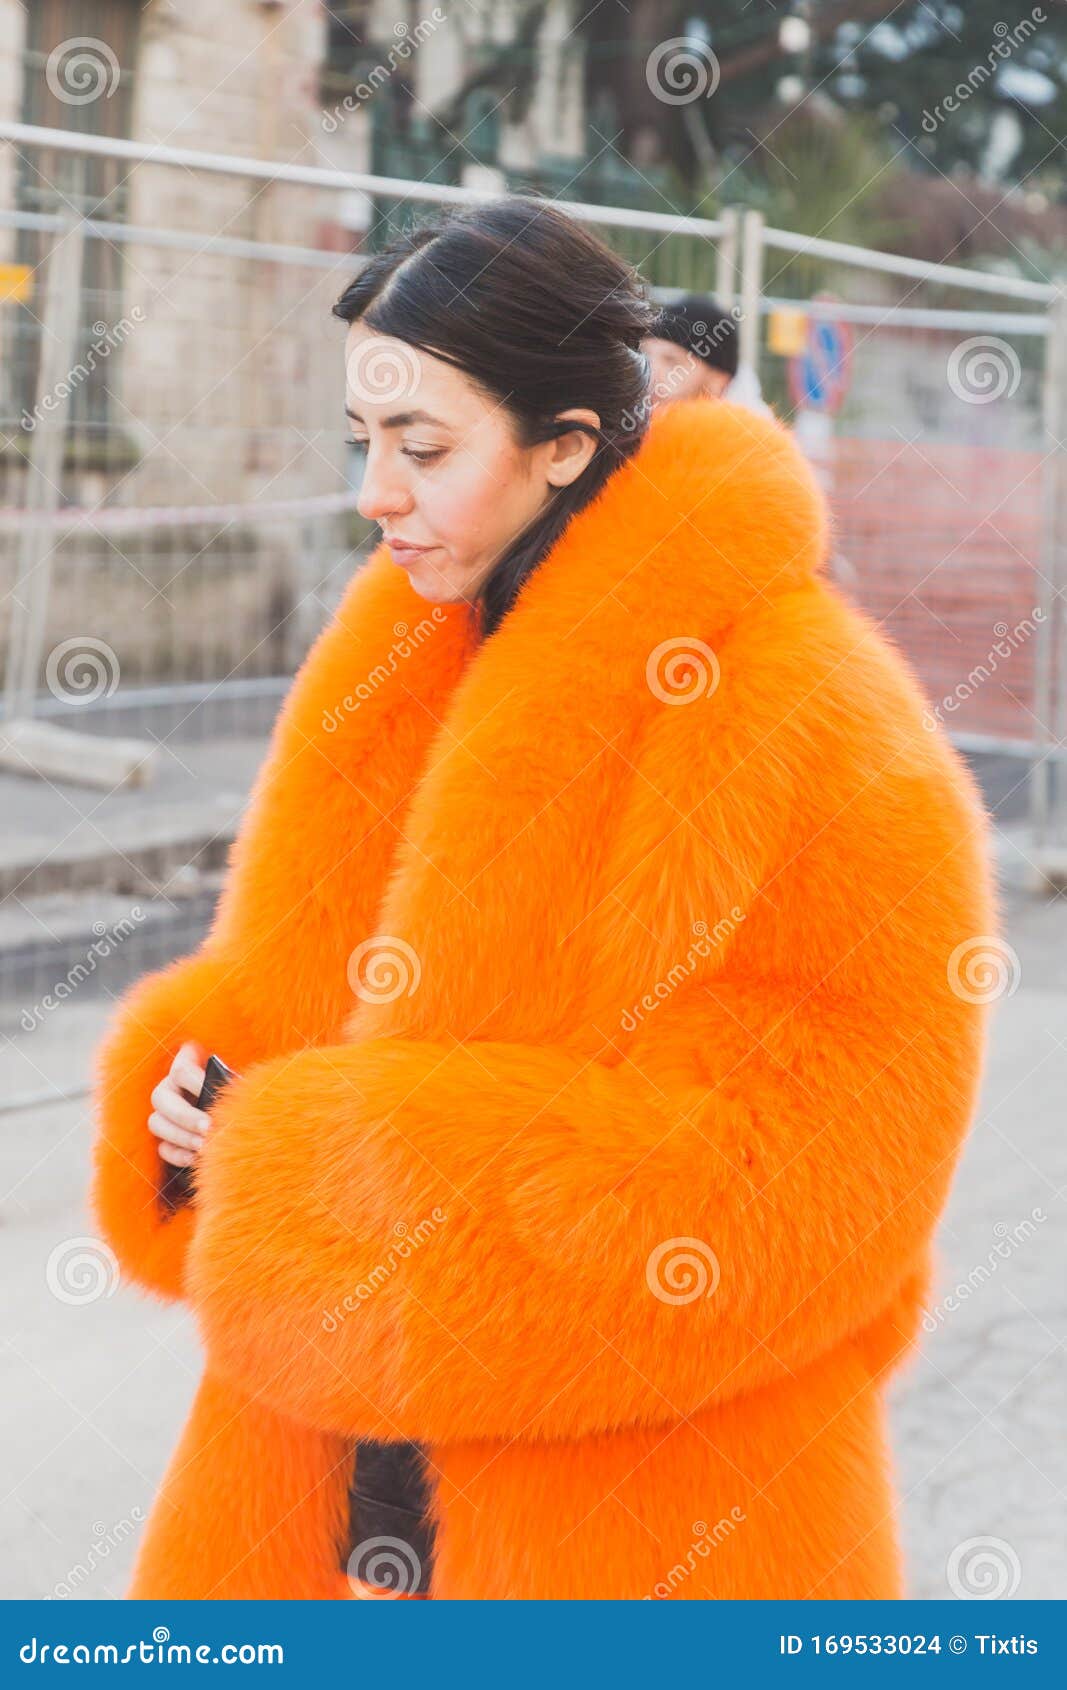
[
  {"x": 432, "y": 588},
  {"x": 436, "y": 588}
]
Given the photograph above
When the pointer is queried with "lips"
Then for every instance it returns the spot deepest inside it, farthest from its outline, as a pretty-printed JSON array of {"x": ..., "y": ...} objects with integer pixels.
[{"x": 404, "y": 553}]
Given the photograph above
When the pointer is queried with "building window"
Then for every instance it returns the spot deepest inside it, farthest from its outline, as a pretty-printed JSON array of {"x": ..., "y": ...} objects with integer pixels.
[{"x": 347, "y": 34}]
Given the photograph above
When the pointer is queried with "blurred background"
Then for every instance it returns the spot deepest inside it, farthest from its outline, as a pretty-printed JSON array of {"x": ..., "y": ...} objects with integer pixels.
[{"x": 878, "y": 191}]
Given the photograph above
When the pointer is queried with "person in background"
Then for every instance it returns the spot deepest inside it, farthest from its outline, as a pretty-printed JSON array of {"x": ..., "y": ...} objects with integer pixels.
[{"x": 694, "y": 355}]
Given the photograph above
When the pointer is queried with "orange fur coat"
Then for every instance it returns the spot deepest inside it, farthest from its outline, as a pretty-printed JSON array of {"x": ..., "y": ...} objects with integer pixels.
[{"x": 603, "y": 1070}]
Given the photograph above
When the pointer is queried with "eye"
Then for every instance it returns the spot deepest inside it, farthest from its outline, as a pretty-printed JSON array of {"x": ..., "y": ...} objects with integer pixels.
[{"x": 425, "y": 457}]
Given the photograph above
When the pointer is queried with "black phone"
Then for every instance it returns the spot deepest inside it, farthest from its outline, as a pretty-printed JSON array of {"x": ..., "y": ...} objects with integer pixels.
[
  {"x": 179, "y": 1185},
  {"x": 216, "y": 1075}
]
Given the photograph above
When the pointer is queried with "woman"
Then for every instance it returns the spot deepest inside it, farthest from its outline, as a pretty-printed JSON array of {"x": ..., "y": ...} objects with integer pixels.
[{"x": 590, "y": 962}]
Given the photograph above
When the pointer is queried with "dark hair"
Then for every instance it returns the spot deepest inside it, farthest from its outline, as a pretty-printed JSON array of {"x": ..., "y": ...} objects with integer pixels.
[
  {"x": 543, "y": 317},
  {"x": 699, "y": 323}
]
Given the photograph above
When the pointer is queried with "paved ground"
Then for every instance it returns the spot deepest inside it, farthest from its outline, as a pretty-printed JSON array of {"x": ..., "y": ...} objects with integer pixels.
[
  {"x": 95, "y": 1392},
  {"x": 978, "y": 1422}
]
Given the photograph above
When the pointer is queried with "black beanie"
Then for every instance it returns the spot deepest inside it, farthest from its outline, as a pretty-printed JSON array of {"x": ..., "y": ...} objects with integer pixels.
[{"x": 699, "y": 323}]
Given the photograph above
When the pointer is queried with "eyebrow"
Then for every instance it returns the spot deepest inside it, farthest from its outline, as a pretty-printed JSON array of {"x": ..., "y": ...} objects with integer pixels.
[{"x": 401, "y": 419}]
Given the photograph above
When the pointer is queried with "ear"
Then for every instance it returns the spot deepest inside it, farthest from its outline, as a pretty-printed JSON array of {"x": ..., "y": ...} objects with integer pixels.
[{"x": 571, "y": 452}]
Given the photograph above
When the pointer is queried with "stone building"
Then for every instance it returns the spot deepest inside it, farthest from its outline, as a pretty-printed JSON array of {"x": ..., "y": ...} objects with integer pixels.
[{"x": 204, "y": 365}]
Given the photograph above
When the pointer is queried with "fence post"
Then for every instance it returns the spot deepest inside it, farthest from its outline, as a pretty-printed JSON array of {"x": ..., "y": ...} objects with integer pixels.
[
  {"x": 726, "y": 258},
  {"x": 1050, "y": 693},
  {"x": 751, "y": 288},
  {"x": 44, "y": 467}
]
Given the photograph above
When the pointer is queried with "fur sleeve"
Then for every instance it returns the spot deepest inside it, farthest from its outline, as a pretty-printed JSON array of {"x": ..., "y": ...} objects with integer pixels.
[
  {"x": 407, "y": 1240},
  {"x": 190, "y": 999},
  {"x": 279, "y": 923}
]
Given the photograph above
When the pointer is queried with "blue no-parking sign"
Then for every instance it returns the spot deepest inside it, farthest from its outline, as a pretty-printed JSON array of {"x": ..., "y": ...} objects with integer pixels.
[{"x": 819, "y": 376}]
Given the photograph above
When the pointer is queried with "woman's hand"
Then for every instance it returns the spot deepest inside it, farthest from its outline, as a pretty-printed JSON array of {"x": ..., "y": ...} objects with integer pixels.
[{"x": 178, "y": 1124}]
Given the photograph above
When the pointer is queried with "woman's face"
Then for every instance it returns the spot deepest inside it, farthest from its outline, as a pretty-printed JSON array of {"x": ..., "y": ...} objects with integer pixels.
[{"x": 446, "y": 479}]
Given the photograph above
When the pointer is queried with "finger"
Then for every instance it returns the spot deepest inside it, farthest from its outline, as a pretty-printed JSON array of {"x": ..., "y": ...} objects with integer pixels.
[
  {"x": 170, "y": 1134},
  {"x": 178, "y": 1158},
  {"x": 187, "y": 1071},
  {"x": 184, "y": 1114}
]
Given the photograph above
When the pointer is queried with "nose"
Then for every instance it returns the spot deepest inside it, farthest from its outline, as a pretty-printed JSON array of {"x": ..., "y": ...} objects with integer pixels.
[{"x": 381, "y": 491}]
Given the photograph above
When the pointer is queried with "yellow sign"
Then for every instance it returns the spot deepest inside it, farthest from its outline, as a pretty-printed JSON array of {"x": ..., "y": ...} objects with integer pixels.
[
  {"x": 16, "y": 282},
  {"x": 787, "y": 333}
]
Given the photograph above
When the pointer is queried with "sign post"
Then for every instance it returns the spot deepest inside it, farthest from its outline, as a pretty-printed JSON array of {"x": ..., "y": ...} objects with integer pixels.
[{"x": 819, "y": 377}]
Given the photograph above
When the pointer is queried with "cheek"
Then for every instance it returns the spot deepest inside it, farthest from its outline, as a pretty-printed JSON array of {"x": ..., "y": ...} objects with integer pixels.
[
  {"x": 451, "y": 498},
  {"x": 665, "y": 369},
  {"x": 473, "y": 499}
]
